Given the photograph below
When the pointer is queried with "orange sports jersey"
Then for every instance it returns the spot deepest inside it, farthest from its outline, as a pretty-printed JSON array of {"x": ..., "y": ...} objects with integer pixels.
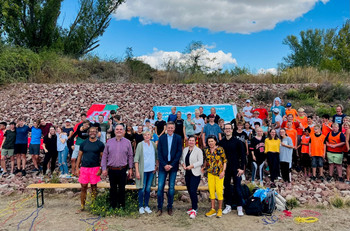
[
  {"x": 317, "y": 145},
  {"x": 325, "y": 129},
  {"x": 305, "y": 147},
  {"x": 292, "y": 133},
  {"x": 312, "y": 130},
  {"x": 295, "y": 125},
  {"x": 303, "y": 121},
  {"x": 334, "y": 140},
  {"x": 293, "y": 112}
]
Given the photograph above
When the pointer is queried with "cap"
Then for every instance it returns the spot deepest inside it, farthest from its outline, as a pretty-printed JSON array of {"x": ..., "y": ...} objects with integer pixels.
[
  {"x": 301, "y": 109},
  {"x": 247, "y": 101},
  {"x": 148, "y": 121},
  {"x": 288, "y": 105},
  {"x": 276, "y": 110},
  {"x": 211, "y": 116},
  {"x": 68, "y": 120}
]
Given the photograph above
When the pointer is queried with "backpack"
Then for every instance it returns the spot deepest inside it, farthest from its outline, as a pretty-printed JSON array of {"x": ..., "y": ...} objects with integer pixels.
[
  {"x": 245, "y": 192},
  {"x": 269, "y": 203},
  {"x": 253, "y": 207}
]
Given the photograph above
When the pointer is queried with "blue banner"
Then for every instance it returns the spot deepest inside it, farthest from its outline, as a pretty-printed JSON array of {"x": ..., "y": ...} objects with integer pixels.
[{"x": 226, "y": 111}]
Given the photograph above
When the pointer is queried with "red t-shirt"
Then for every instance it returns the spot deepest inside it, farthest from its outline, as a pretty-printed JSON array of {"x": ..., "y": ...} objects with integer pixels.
[
  {"x": 262, "y": 113},
  {"x": 1, "y": 139}
]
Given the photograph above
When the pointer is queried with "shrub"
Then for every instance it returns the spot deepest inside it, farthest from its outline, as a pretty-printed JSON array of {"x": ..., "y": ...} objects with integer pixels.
[
  {"x": 292, "y": 203},
  {"x": 337, "y": 202},
  {"x": 325, "y": 109},
  {"x": 101, "y": 207}
]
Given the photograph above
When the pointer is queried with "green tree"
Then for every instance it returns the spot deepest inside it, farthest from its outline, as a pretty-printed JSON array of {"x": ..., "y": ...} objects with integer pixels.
[
  {"x": 342, "y": 46},
  {"x": 33, "y": 24},
  {"x": 195, "y": 53},
  {"x": 306, "y": 51}
]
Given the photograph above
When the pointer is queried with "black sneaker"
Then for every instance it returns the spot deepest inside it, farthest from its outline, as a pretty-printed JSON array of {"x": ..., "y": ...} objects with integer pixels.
[
  {"x": 313, "y": 178},
  {"x": 340, "y": 179},
  {"x": 35, "y": 170},
  {"x": 24, "y": 172},
  {"x": 321, "y": 178},
  {"x": 16, "y": 171}
]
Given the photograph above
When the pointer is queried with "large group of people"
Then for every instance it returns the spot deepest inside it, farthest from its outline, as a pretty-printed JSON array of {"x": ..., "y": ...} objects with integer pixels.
[{"x": 226, "y": 153}]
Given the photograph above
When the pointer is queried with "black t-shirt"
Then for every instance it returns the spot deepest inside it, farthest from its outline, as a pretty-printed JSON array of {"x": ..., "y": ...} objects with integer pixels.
[
  {"x": 258, "y": 147},
  {"x": 243, "y": 137},
  {"x": 130, "y": 137},
  {"x": 50, "y": 143},
  {"x": 203, "y": 116},
  {"x": 179, "y": 127},
  {"x": 138, "y": 138},
  {"x": 160, "y": 126},
  {"x": 10, "y": 139},
  {"x": 216, "y": 119},
  {"x": 97, "y": 125},
  {"x": 91, "y": 153}
]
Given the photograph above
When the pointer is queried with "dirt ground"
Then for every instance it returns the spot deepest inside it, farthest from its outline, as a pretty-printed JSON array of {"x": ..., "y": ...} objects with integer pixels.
[{"x": 59, "y": 213}]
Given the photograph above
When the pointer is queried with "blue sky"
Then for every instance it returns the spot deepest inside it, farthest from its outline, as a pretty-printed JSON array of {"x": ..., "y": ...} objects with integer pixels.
[{"x": 247, "y": 32}]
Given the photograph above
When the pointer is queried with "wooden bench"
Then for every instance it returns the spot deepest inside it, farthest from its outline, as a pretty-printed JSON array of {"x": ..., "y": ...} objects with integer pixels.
[{"x": 40, "y": 188}]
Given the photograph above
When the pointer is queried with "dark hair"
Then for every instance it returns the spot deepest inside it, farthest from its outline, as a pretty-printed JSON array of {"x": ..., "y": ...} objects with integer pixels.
[
  {"x": 310, "y": 117},
  {"x": 4, "y": 123},
  {"x": 149, "y": 115},
  {"x": 101, "y": 115},
  {"x": 290, "y": 115},
  {"x": 231, "y": 125},
  {"x": 266, "y": 121},
  {"x": 86, "y": 122},
  {"x": 284, "y": 131},
  {"x": 170, "y": 123},
  {"x": 326, "y": 116},
  {"x": 14, "y": 123},
  {"x": 117, "y": 117},
  {"x": 94, "y": 128},
  {"x": 112, "y": 112},
  {"x": 256, "y": 123},
  {"x": 212, "y": 137},
  {"x": 191, "y": 136},
  {"x": 132, "y": 129},
  {"x": 307, "y": 129},
  {"x": 269, "y": 134},
  {"x": 83, "y": 114}
]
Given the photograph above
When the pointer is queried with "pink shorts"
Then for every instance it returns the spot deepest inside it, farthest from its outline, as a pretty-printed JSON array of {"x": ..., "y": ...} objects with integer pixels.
[{"x": 88, "y": 175}]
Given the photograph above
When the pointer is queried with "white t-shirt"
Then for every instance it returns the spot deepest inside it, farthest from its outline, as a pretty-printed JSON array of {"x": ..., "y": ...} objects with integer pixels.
[
  {"x": 199, "y": 125},
  {"x": 246, "y": 111},
  {"x": 279, "y": 119}
]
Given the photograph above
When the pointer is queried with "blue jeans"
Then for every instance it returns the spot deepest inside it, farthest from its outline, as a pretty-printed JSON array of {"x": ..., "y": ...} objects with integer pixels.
[
  {"x": 161, "y": 183},
  {"x": 62, "y": 160},
  {"x": 145, "y": 192}
]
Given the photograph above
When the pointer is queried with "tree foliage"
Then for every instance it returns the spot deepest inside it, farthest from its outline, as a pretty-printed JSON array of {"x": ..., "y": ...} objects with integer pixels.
[
  {"x": 323, "y": 49},
  {"x": 33, "y": 24}
]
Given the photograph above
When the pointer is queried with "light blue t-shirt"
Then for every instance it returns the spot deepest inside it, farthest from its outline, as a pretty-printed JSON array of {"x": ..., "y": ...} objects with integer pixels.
[
  {"x": 149, "y": 157},
  {"x": 212, "y": 130},
  {"x": 60, "y": 146},
  {"x": 286, "y": 154},
  {"x": 155, "y": 137},
  {"x": 189, "y": 128},
  {"x": 36, "y": 135},
  {"x": 282, "y": 112}
]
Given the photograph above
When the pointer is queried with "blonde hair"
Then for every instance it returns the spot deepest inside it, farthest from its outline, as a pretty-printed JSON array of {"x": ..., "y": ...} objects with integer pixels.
[{"x": 147, "y": 132}]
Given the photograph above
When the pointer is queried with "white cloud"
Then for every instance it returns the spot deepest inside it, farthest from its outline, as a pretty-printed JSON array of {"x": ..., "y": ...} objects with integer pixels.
[
  {"x": 267, "y": 71},
  {"x": 212, "y": 60},
  {"x": 239, "y": 16}
]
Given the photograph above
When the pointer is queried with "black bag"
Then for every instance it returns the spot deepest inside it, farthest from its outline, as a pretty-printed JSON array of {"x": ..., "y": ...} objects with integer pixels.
[
  {"x": 269, "y": 203},
  {"x": 254, "y": 207},
  {"x": 245, "y": 192}
]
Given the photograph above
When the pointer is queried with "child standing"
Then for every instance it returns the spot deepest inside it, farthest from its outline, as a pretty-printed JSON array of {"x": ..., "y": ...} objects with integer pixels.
[
  {"x": 305, "y": 156},
  {"x": 317, "y": 151}
]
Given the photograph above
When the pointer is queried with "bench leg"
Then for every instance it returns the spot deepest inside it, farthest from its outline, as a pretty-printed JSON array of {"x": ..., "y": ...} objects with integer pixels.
[{"x": 39, "y": 192}]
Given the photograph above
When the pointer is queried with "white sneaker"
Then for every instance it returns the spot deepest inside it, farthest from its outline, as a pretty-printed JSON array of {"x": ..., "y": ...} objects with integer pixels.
[
  {"x": 189, "y": 211},
  {"x": 193, "y": 214},
  {"x": 243, "y": 177},
  {"x": 141, "y": 210},
  {"x": 62, "y": 176},
  {"x": 240, "y": 211},
  {"x": 227, "y": 209},
  {"x": 148, "y": 210}
]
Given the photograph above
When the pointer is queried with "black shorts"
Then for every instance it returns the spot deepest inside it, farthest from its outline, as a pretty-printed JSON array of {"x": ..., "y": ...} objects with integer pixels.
[
  {"x": 347, "y": 154},
  {"x": 305, "y": 160},
  {"x": 34, "y": 149},
  {"x": 21, "y": 148}
]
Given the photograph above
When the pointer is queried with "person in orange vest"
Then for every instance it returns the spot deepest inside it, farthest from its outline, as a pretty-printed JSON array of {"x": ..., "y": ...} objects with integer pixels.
[
  {"x": 326, "y": 125},
  {"x": 335, "y": 140},
  {"x": 317, "y": 151},
  {"x": 305, "y": 157},
  {"x": 290, "y": 111}
]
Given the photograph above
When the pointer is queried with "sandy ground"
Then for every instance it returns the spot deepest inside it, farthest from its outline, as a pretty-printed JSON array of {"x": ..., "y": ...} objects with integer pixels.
[{"x": 59, "y": 213}]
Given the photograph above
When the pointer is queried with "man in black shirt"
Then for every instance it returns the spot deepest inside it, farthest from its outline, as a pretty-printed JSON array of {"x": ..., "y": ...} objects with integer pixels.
[
  {"x": 90, "y": 154},
  {"x": 235, "y": 154},
  {"x": 202, "y": 115}
]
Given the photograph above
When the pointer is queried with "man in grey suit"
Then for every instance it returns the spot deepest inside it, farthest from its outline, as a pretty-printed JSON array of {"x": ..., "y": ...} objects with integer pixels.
[{"x": 169, "y": 154}]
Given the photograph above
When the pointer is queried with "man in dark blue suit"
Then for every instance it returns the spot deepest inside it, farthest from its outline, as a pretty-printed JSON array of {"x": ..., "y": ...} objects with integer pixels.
[{"x": 169, "y": 154}]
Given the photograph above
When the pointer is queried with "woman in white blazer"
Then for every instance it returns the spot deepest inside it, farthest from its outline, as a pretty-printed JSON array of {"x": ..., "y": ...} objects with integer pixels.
[{"x": 192, "y": 161}]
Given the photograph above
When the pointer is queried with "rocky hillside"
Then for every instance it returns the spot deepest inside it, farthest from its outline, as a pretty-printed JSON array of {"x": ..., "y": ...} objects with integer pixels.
[{"x": 56, "y": 102}]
